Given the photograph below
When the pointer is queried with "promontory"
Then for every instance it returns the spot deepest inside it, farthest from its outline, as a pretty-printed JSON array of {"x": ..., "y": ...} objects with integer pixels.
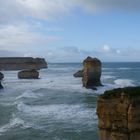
[{"x": 20, "y": 63}]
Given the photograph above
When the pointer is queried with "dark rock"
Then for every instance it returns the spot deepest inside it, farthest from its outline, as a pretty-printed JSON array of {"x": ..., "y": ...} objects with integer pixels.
[
  {"x": 1, "y": 76},
  {"x": 1, "y": 87},
  {"x": 28, "y": 74},
  {"x": 92, "y": 72},
  {"x": 20, "y": 63},
  {"x": 78, "y": 73}
]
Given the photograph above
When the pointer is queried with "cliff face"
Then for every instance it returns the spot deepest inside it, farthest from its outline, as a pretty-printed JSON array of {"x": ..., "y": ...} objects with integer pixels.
[
  {"x": 119, "y": 114},
  {"x": 19, "y": 63}
]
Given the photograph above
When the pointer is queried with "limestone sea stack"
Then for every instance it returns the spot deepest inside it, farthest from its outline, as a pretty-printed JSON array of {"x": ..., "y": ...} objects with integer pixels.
[
  {"x": 20, "y": 63},
  {"x": 92, "y": 72},
  {"x": 28, "y": 74},
  {"x": 118, "y": 112}
]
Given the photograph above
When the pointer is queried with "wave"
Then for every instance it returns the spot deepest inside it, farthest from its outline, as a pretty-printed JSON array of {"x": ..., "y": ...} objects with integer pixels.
[
  {"x": 118, "y": 83},
  {"x": 60, "y": 112},
  {"x": 14, "y": 122},
  {"x": 27, "y": 94},
  {"x": 103, "y": 77},
  {"x": 124, "y": 68},
  {"x": 107, "y": 68},
  {"x": 124, "y": 82}
]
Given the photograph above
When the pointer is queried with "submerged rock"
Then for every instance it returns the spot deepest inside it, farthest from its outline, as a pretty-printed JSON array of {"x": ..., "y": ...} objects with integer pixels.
[
  {"x": 78, "y": 73},
  {"x": 118, "y": 112},
  {"x": 92, "y": 72},
  {"x": 28, "y": 74}
]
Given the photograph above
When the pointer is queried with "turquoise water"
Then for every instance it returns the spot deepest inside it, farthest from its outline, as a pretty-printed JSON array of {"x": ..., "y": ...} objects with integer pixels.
[{"x": 56, "y": 106}]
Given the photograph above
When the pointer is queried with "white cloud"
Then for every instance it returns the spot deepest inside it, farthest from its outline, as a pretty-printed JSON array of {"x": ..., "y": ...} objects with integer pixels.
[
  {"x": 106, "y": 48},
  {"x": 118, "y": 51},
  {"x": 11, "y": 10},
  {"x": 14, "y": 34},
  {"x": 5, "y": 53},
  {"x": 109, "y": 50},
  {"x": 17, "y": 36}
]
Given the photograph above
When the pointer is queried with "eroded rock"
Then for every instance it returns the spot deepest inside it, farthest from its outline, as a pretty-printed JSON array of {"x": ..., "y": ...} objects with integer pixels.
[
  {"x": 20, "y": 63},
  {"x": 79, "y": 73},
  {"x": 1, "y": 76},
  {"x": 92, "y": 72},
  {"x": 1, "y": 87},
  {"x": 28, "y": 74},
  {"x": 119, "y": 114}
]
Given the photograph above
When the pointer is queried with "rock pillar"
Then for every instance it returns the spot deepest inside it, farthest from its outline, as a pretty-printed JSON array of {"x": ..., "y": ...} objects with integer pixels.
[{"x": 92, "y": 72}]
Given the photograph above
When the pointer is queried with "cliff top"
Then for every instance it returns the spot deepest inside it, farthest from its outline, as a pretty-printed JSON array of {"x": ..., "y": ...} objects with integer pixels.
[{"x": 127, "y": 91}]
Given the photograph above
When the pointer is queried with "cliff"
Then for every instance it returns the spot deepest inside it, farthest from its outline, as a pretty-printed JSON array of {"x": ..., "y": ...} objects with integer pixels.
[
  {"x": 19, "y": 63},
  {"x": 118, "y": 112}
]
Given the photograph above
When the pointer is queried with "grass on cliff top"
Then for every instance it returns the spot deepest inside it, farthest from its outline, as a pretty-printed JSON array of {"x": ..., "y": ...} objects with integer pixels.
[{"x": 128, "y": 91}]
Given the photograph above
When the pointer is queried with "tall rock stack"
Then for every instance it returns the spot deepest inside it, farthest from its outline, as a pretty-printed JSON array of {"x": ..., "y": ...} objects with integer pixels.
[
  {"x": 92, "y": 72},
  {"x": 119, "y": 114},
  {"x": 1, "y": 77}
]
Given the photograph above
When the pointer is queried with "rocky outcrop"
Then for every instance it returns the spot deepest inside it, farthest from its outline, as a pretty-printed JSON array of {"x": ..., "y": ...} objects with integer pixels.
[
  {"x": 92, "y": 72},
  {"x": 1, "y": 77},
  {"x": 79, "y": 73},
  {"x": 20, "y": 63},
  {"x": 119, "y": 114},
  {"x": 1, "y": 87},
  {"x": 28, "y": 74}
]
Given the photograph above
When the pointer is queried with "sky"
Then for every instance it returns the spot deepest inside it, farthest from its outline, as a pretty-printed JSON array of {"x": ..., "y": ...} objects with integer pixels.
[{"x": 71, "y": 30}]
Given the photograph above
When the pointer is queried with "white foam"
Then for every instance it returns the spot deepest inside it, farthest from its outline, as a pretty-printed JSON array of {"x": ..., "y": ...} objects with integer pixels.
[
  {"x": 124, "y": 68},
  {"x": 124, "y": 82},
  {"x": 27, "y": 94},
  {"x": 14, "y": 122},
  {"x": 107, "y": 77},
  {"x": 62, "y": 112},
  {"x": 107, "y": 68}
]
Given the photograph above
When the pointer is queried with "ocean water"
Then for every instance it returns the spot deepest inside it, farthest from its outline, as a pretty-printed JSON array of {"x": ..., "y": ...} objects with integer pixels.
[{"x": 56, "y": 106}]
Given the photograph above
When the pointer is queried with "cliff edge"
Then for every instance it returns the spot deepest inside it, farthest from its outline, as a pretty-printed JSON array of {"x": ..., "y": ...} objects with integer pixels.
[
  {"x": 118, "y": 112},
  {"x": 20, "y": 63}
]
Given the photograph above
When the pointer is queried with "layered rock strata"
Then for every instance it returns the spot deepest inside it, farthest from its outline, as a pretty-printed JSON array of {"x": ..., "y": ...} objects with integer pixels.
[
  {"x": 20, "y": 63},
  {"x": 119, "y": 114},
  {"x": 92, "y": 72}
]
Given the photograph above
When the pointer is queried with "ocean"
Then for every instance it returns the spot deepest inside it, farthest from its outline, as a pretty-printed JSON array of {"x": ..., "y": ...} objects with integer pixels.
[{"x": 56, "y": 106}]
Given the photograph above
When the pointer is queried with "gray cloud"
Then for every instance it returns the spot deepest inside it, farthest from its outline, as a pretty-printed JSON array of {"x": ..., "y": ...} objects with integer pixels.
[
  {"x": 21, "y": 36},
  {"x": 94, "y": 5},
  {"x": 13, "y": 10},
  {"x": 4, "y": 53}
]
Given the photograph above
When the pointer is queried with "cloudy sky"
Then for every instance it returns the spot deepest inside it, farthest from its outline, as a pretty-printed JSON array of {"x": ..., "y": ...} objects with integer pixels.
[{"x": 70, "y": 30}]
